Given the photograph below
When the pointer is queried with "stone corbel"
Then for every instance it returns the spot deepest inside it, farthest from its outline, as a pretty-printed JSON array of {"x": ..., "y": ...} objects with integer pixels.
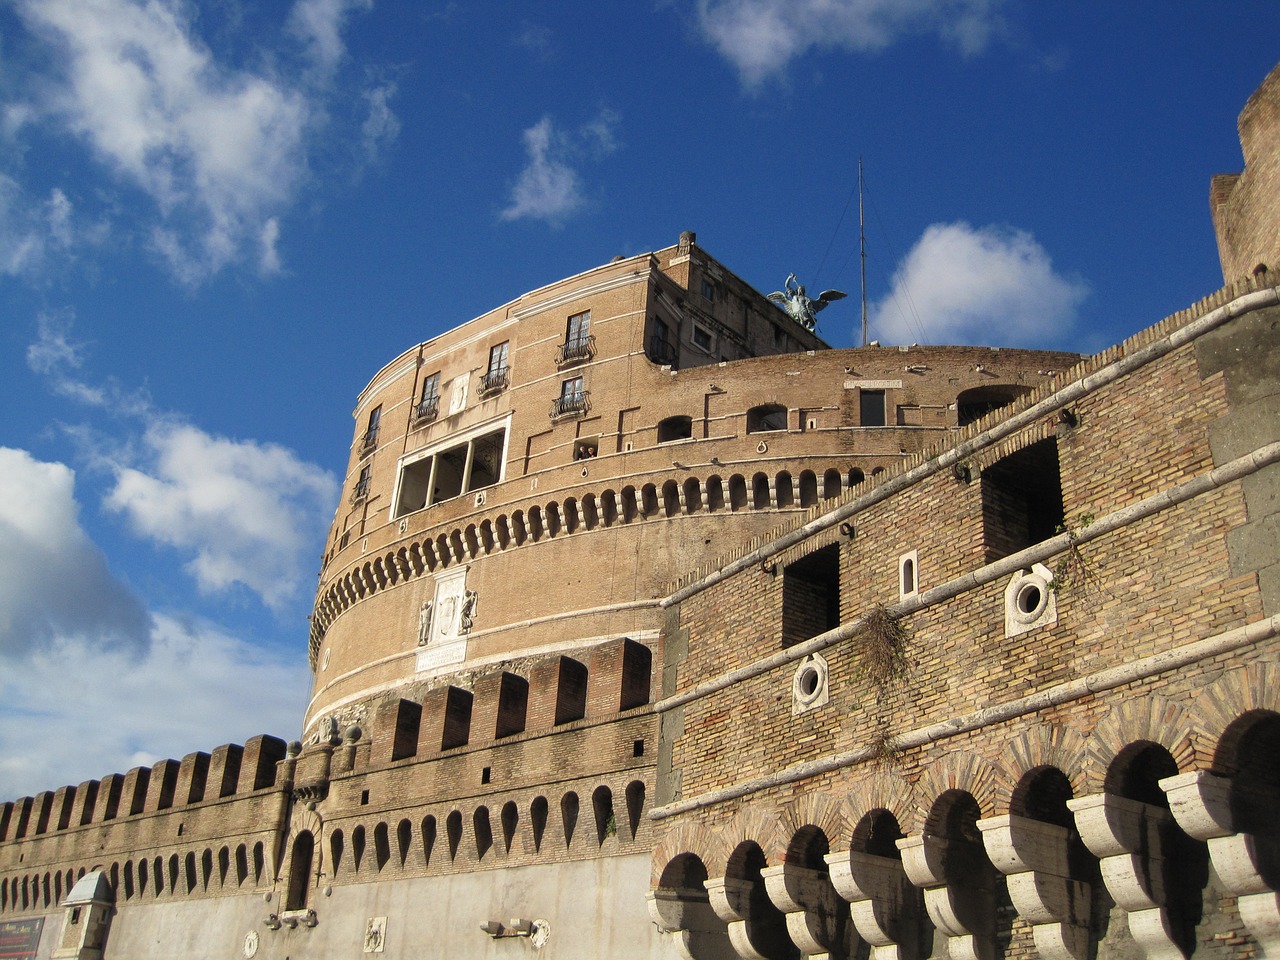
[
  {"x": 817, "y": 919},
  {"x": 743, "y": 904},
  {"x": 882, "y": 902},
  {"x": 1201, "y": 803},
  {"x": 963, "y": 913},
  {"x": 1128, "y": 837},
  {"x": 686, "y": 914},
  {"x": 1034, "y": 857}
]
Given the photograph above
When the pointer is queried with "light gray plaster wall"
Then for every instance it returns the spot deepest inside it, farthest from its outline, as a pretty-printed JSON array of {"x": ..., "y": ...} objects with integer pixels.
[{"x": 595, "y": 908}]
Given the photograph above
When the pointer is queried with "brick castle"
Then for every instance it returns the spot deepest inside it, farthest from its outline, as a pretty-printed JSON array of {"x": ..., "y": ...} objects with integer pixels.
[{"x": 651, "y": 627}]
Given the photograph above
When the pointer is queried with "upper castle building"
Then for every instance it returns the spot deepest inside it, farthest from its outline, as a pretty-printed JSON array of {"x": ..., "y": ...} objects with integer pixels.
[{"x": 651, "y": 627}]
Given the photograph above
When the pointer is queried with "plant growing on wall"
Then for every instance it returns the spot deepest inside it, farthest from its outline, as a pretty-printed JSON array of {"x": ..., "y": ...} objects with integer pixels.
[
  {"x": 1073, "y": 569},
  {"x": 882, "y": 660}
]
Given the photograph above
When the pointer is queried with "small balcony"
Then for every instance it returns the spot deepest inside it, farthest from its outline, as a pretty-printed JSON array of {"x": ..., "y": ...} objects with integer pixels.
[
  {"x": 427, "y": 410},
  {"x": 369, "y": 442},
  {"x": 662, "y": 351},
  {"x": 495, "y": 381},
  {"x": 576, "y": 350},
  {"x": 361, "y": 491},
  {"x": 571, "y": 405}
]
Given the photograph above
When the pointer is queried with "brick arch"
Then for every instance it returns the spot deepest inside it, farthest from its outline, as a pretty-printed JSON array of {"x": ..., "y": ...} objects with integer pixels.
[
  {"x": 821, "y": 810},
  {"x": 1153, "y": 719},
  {"x": 1231, "y": 696},
  {"x": 956, "y": 771},
  {"x": 753, "y": 823},
  {"x": 1043, "y": 745},
  {"x": 882, "y": 790}
]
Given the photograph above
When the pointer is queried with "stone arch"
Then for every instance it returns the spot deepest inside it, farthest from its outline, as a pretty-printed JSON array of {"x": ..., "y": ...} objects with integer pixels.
[
  {"x": 442, "y": 550},
  {"x": 357, "y": 848},
  {"x": 519, "y": 532},
  {"x": 670, "y": 498},
  {"x": 819, "y": 810},
  {"x": 381, "y": 846},
  {"x": 456, "y": 547},
  {"x": 758, "y": 927},
  {"x": 571, "y": 517},
  {"x": 635, "y": 806},
  {"x": 538, "y": 811},
  {"x": 737, "y": 492},
  {"x": 472, "y": 538},
  {"x": 692, "y": 495},
  {"x": 715, "y": 493},
  {"x": 482, "y": 830},
  {"x": 831, "y": 484},
  {"x": 784, "y": 489},
  {"x": 453, "y": 832},
  {"x": 300, "y": 860},
  {"x": 336, "y": 841},
  {"x": 428, "y": 837},
  {"x": 630, "y": 505},
  {"x": 856, "y": 476},
  {"x": 608, "y": 508},
  {"x": 1139, "y": 720},
  {"x": 502, "y": 529},
  {"x": 606, "y": 821},
  {"x": 590, "y": 511},
  {"x": 569, "y": 805},
  {"x": 242, "y": 864},
  {"x": 649, "y": 500},
  {"x": 510, "y": 819},
  {"x": 536, "y": 526},
  {"x": 128, "y": 880},
  {"x": 808, "y": 488},
  {"x": 157, "y": 876},
  {"x": 760, "y": 492},
  {"x": 404, "y": 840},
  {"x": 554, "y": 521},
  {"x": 224, "y": 865}
]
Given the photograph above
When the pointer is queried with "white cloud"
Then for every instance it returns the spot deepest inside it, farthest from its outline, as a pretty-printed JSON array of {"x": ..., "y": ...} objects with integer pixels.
[
  {"x": 319, "y": 23},
  {"x": 548, "y": 188},
  {"x": 761, "y": 37},
  {"x": 54, "y": 582},
  {"x": 989, "y": 285},
  {"x": 216, "y": 149},
  {"x": 381, "y": 126},
  {"x": 75, "y": 710},
  {"x": 245, "y": 513}
]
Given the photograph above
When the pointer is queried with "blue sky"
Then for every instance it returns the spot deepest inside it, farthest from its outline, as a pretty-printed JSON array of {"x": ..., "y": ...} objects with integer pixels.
[{"x": 218, "y": 220}]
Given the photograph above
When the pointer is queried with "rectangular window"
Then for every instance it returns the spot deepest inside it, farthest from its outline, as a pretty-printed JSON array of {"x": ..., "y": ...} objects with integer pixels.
[
  {"x": 1021, "y": 499},
  {"x": 450, "y": 472},
  {"x": 429, "y": 405},
  {"x": 708, "y": 290},
  {"x": 702, "y": 338},
  {"x": 573, "y": 399},
  {"x": 661, "y": 349},
  {"x": 371, "y": 431},
  {"x": 361, "y": 491},
  {"x": 496, "y": 377},
  {"x": 578, "y": 343},
  {"x": 872, "y": 408},
  {"x": 811, "y": 595}
]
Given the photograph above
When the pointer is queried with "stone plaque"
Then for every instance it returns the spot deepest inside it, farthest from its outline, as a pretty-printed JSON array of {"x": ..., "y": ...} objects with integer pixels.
[{"x": 20, "y": 939}]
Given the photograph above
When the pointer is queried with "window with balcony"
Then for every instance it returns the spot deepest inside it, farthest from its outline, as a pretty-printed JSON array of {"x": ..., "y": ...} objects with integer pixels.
[
  {"x": 361, "y": 490},
  {"x": 579, "y": 345},
  {"x": 370, "y": 439},
  {"x": 498, "y": 375},
  {"x": 458, "y": 468},
  {"x": 660, "y": 348},
  {"x": 572, "y": 400},
  {"x": 429, "y": 404}
]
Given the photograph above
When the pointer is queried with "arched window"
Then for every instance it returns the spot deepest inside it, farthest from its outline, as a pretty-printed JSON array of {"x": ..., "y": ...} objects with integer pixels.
[
  {"x": 675, "y": 428},
  {"x": 300, "y": 871},
  {"x": 767, "y": 416}
]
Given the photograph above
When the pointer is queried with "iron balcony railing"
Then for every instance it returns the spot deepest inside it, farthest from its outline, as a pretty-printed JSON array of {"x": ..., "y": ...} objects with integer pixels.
[
  {"x": 361, "y": 491},
  {"x": 495, "y": 381},
  {"x": 576, "y": 350},
  {"x": 369, "y": 441},
  {"x": 571, "y": 404},
  {"x": 662, "y": 351},
  {"x": 428, "y": 408}
]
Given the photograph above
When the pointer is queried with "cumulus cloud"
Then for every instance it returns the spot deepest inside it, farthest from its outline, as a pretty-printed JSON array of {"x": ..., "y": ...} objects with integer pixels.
[
  {"x": 54, "y": 582},
  {"x": 220, "y": 151},
  {"x": 549, "y": 188},
  {"x": 75, "y": 709},
  {"x": 243, "y": 512},
  {"x": 761, "y": 37},
  {"x": 969, "y": 285}
]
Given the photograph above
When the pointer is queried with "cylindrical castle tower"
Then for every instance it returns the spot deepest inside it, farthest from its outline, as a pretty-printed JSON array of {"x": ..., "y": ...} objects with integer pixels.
[{"x": 530, "y": 482}]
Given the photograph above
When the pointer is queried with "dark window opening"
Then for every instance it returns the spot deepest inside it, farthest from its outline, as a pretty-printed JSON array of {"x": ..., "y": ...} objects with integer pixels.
[
  {"x": 768, "y": 416},
  {"x": 571, "y": 691},
  {"x": 586, "y": 448},
  {"x": 871, "y": 408},
  {"x": 811, "y": 595},
  {"x": 513, "y": 705},
  {"x": 450, "y": 473},
  {"x": 300, "y": 871},
  {"x": 578, "y": 344},
  {"x": 1021, "y": 500},
  {"x": 361, "y": 490},
  {"x": 977, "y": 402},
  {"x": 702, "y": 338},
  {"x": 675, "y": 428},
  {"x": 457, "y": 718},
  {"x": 573, "y": 399},
  {"x": 661, "y": 350},
  {"x": 497, "y": 376}
]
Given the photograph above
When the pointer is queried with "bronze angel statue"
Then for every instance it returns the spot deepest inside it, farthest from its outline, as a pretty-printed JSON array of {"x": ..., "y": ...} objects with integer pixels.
[{"x": 803, "y": 309}]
